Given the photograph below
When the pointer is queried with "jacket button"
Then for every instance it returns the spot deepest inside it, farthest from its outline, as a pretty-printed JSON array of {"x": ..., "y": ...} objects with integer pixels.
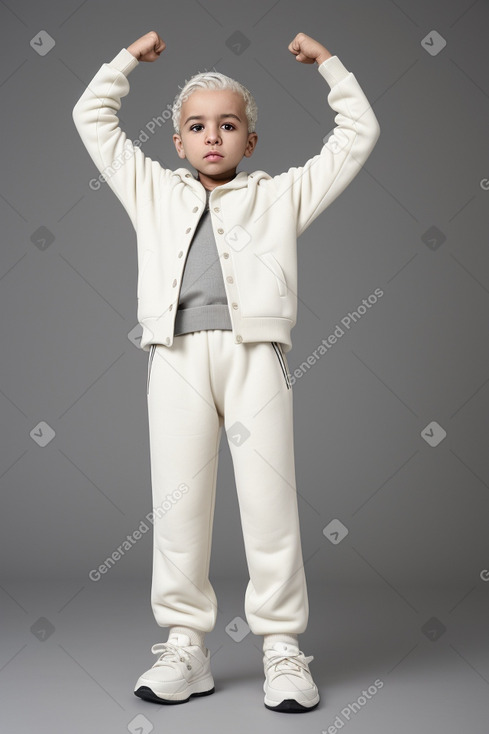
[
  {"x": 230, "y": 279},
  {"x": 174, "y": 283},
  {"x": 167, "y": 340},
  {"x": 220, "y": 230},
  {"x": 188, "y": 230},
  {"x": 170, "y": 306},
  {"x": 195, "y": 209},
  {"x": 187, "y": 175},
  {"x": 225, "y": 254},
  {"x": 235, "y": 305},
  {"x": 239, "y": 338},
  {"x": 217, "y": 209},
  {"x": 180, "y": 253}
]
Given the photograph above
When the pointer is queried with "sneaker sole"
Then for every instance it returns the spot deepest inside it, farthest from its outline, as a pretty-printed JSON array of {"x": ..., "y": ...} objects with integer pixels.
[
  {"x": 291, "y": 706},
  {"x": 148, "y": 694}
]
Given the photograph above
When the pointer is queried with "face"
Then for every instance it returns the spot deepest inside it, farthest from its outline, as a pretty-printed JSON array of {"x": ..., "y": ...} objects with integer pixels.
[{"x": 222, "y": 127}]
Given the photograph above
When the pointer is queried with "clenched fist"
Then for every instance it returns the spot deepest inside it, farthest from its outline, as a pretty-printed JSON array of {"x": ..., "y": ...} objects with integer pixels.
[
  {"x": 148, "y": 47},
  {"x": 307, "y": 50}
]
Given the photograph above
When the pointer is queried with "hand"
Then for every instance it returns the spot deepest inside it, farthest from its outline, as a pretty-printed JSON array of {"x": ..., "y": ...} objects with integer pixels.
[
  {"x": 307, "y": 50},
  {"x": 148, "y": 47}
]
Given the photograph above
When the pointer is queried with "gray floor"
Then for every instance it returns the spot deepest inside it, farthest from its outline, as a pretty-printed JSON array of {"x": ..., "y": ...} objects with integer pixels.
[{"x": 71, "y": 653}]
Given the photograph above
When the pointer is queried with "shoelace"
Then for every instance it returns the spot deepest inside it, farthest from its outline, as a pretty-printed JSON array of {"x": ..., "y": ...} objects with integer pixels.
[
  {"x": 288, "y": 662},
  {"x": 170, "y": 653}
]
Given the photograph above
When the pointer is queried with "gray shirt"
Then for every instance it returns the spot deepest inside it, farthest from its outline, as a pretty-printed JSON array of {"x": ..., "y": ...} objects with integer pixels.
[{"x": 203, "y": 302}]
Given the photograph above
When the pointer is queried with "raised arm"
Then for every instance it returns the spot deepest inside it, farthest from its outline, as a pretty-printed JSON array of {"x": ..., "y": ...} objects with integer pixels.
[
  {"x": 121, "y": 162},
  {"x": 313, "y": 187}
]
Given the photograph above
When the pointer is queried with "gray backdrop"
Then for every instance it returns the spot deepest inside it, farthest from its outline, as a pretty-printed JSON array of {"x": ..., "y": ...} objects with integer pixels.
[{"x": 391, "y": 423}]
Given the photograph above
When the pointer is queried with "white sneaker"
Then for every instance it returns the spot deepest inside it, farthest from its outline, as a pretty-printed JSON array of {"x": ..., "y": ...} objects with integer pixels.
[
  {"x": 288, "y": 685},
  {"x": 182, "y": 670}
]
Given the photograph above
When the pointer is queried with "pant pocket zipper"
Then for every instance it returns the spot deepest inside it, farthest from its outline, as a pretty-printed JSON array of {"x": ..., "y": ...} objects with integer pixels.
[
  {"x": 283, "y": 364},
  {"x": 150, "y": 364}
]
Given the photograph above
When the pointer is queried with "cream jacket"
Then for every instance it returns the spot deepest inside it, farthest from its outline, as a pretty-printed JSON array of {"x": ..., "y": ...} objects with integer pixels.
[{"x": 256, "y": 218}]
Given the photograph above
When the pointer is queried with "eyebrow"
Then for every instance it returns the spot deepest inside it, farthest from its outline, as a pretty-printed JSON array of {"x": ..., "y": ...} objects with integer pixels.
[{"x": 201, "y": 117}]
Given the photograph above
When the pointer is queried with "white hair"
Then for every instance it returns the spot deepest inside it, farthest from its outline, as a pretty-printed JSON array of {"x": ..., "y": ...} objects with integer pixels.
[{"x": 214, "y": 80}]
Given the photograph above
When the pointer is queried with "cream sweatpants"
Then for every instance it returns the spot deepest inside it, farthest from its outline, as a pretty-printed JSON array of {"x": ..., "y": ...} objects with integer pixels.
[{"x": 202, "y": 382}]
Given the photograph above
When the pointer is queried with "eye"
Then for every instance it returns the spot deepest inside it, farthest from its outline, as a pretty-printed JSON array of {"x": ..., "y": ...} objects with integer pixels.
[{"x": 198, "y": 124}]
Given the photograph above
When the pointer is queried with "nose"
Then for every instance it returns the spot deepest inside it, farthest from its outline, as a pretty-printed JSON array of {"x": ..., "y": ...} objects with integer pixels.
[{"x": 212, "y": 136}]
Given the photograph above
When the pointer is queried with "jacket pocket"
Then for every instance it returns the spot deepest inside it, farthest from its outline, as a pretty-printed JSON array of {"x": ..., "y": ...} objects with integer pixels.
[
  {"x": 282, "y": 360},
  {"x": 151, "y": 356},
  {"x": 274, "y": 265}
]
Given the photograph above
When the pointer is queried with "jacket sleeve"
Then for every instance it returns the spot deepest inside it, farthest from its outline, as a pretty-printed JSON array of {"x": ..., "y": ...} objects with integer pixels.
[
  {"x": 121, "y": 162},
  {"x": 314, "y": 186}
]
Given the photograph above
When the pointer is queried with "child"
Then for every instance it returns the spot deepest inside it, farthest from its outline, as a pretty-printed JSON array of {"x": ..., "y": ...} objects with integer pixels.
[{"x": 217, "y": 300}]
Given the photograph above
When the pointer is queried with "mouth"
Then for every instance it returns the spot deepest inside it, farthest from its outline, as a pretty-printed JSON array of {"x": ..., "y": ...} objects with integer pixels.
[{"x": 213, "y": 156}]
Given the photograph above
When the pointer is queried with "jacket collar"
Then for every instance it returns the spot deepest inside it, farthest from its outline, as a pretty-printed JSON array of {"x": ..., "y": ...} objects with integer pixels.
[{"x": 239, "y": 181}]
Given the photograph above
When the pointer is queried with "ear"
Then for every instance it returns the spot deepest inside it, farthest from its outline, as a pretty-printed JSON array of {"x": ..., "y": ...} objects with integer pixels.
[
  {"x": 251, "y": 145},
  {"x": 179, "y": 146}
]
